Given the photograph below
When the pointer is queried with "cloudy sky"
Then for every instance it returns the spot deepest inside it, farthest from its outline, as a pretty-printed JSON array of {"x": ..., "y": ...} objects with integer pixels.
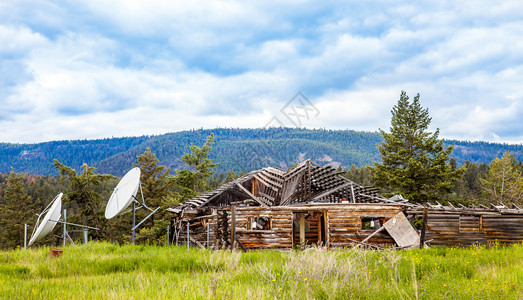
[{"x": 92, "y": 69}]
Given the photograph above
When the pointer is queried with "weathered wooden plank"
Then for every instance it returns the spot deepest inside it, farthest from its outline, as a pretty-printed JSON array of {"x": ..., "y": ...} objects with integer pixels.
[{"x": 402, "y": 231}]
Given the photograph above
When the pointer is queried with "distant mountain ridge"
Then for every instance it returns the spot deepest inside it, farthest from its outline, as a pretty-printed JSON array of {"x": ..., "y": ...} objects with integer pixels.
[{"x": 234, "y": 149}]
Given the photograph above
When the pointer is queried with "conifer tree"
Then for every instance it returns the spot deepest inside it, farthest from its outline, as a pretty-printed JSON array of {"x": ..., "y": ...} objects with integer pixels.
[
  {"x": 504, "y": 180},
  {"x": 17, "y": 210},
  {"x": 157, "y": 191},
  {"x": 155, "y": 179},
  {"x": 83, "y": 193},
  {"x": 195, "y": 180},
  {"x": 414, "y": 162}
]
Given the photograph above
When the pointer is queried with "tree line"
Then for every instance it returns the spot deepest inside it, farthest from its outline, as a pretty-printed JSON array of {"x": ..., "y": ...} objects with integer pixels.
[
  {"x": 414, "y": 162},
  {"x": 86, "y": 193},
  {"x": 236, "y": 150}
]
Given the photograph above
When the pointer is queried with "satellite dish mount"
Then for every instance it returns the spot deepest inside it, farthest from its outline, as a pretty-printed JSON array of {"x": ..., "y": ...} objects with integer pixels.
[
  {"x": 124, "y": 194},
  {"x": 51, "y": 218},
  {"x": 137, "y": 205}
]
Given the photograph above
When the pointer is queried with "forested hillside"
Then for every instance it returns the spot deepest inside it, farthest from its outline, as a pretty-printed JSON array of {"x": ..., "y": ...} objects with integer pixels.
[{"x": 235, "y": 149}]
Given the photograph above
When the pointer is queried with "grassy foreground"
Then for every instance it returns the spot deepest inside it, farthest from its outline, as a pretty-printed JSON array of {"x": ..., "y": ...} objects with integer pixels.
[{"x": 107, "y": 271}]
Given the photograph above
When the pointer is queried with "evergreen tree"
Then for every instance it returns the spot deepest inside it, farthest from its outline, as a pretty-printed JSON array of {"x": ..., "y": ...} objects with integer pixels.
[
  {"x": 157, "y": 192},
  {"x": 18, "y": 209},
  {"x": 83, "y": 194},
  {"x": 195, "y": 180},
  {"x": 504, "y": 181},
  {"x": 414, "y": 161}
]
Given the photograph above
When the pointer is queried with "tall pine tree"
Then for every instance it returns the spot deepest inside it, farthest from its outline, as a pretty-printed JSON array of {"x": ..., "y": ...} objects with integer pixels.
[
  {"x": 195, "y": 180},
  {"x": 18, "y": 209},
  {"x": 414, "y": 162},
  {"x": 157, "y": 186}
]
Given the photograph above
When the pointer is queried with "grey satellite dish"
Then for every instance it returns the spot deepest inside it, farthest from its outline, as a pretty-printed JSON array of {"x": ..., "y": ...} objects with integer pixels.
[
  {"x": 52, "y": 212},
  {"x": 124, "y": 194}
]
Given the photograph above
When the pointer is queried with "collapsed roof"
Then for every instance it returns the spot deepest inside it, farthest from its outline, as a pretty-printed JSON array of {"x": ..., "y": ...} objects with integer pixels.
[{"x": 307, "y": 182}]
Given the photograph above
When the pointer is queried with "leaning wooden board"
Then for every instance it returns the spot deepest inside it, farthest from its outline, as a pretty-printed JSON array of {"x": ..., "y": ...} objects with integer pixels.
[{"x": 402, "y": 231}]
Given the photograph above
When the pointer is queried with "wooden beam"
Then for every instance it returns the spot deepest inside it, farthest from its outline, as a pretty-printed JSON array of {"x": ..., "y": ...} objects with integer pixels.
[
  {"x": 373, "y": 234},
  {"x": 326, "y": 193},
  {"x": 251, "y": 195},
  {"x": 196, "y": 242},
  {"x": 365, "y": 244},
  {"x": 302, "y": 228},
  {"x": 239, "y": 242},
  {"x": 233, "y": 225}
]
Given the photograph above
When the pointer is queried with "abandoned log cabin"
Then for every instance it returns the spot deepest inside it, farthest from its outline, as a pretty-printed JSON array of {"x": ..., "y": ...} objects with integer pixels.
[{"x": 312, "y": 204}]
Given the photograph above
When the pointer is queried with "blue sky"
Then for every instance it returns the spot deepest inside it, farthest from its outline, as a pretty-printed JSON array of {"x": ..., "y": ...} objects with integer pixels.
[{"x": 95, "y": 69}]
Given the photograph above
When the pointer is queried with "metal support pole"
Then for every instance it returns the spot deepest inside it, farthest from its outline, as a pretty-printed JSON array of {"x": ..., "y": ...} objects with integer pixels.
[
  {"x": 25, "y": 236},
  {"x": 86, "y": 235},
  {"x": 423, "y": 226},
  {"x": 134, "y": 220},
  {"x": 65, "y": 226},
  {"x": 167, "y": 238},
  {"x": 188, "y": 235}
]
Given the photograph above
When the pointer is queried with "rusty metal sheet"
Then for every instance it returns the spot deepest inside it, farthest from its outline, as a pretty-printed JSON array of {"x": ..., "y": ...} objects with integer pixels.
[{"x": 402, "y": 231}]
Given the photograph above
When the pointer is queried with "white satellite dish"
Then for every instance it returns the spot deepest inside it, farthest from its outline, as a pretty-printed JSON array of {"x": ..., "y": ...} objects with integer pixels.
[
  {"x": 52, "y": 216},
  {"x": 124, "y": 193},
  {"x": 49, "y": 221}
]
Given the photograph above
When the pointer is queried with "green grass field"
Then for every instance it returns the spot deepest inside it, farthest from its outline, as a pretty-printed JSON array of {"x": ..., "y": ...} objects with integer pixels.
[{"x": 107, "y": 271}]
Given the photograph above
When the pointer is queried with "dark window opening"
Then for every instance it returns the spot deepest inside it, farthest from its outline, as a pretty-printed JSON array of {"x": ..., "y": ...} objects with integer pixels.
[
  {"x": 259, "y": 223},
  {"x": 371, "y": 223}
]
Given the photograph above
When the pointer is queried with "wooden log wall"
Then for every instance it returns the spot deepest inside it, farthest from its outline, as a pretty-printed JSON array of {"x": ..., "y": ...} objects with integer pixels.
[
  {"x": 217, "y": 233},
  {"x": 469, "y": 226},
  {"x": 345, "y": 224},
  {"x": 279, "y": 236}
]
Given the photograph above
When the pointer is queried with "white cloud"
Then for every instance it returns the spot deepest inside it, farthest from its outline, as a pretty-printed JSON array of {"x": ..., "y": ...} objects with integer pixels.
[{"x": 98, "y": 69}]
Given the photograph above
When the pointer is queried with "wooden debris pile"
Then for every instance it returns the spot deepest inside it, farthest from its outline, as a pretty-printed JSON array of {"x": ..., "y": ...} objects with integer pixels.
[{"x": 466, "y": 225}]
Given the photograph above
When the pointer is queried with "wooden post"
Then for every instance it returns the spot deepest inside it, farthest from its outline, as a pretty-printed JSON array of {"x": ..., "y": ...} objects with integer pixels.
[
  {"x": 319, "y": 228},
  {"x": 423, "y": 226},
  {"x": 327, "y": 229},
  {"x": 233, "y": 225},
  {"x": 302, "y": 228}
]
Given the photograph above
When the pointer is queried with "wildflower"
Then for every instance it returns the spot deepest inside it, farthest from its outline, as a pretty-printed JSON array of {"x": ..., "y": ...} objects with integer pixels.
[
  {"x": 294, "y": 282},
  {"x": 305, "y": 279},
  {"x": 279, "y": 289},
  {"x": 444, "y": 285},
  {"x": 274, "y": 280}
]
